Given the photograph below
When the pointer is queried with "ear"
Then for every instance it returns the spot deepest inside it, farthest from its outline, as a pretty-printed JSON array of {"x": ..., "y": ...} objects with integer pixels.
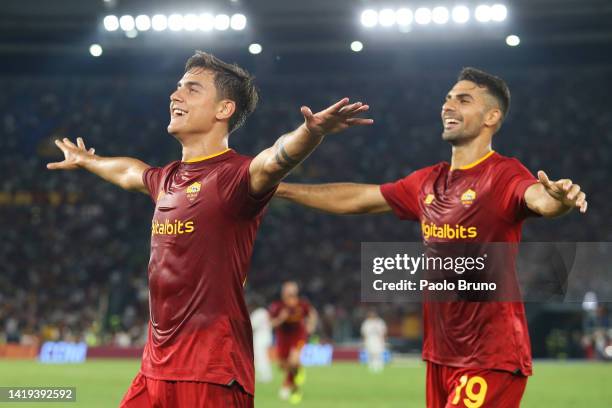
[
  {"x": 493, "y": 117},
  {"x": 225, "y": 109}
]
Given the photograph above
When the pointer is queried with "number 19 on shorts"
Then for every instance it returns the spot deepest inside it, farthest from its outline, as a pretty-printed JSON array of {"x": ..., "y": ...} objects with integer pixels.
[{"x": 471, "y": 391}]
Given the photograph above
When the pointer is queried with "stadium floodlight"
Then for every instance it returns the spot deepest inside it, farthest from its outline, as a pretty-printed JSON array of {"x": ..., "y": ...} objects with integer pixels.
[
  {"x": 369, "y": 18},
  {"x": 176, "y": 22},
  {"x": 222, "y": 22},
  {"x": 111, "y": 23},
  {"x": 422, "y": 16},
  {"x": 127, "y": 23},
  {"x": 206, "y": 22},
  {"x": 386, "y": 17},
  {"x": 238, "y": 22},
  {"x": 513, "y": 40},
  {"x": 190, "y": 22},
  {"x": 143, "y": 22},
  {"x": 131, "y": 33},
  {"x": 483, "y": 13},
  {"x": 356, "y": 46},
  {"x": 439, "y": 15},
  {"x": 499, "y": 12},
  {"x": 255, "y": 48},
  {"x": 95, "y": 50},
  {"x": 403, "y": 17},
  {"x": 461, "y": 14},
  {"x": 159, "y": 22}
]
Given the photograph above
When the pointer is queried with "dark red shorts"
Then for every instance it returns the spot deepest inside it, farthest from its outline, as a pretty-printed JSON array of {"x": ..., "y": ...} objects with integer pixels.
[
  {"x": 149, "y": 393},
  {"x": 285, "y": 343},
  {"x": 455, "y": 387}
]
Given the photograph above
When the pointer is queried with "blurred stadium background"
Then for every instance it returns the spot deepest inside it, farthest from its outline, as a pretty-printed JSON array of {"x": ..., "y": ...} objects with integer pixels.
[{"x": 74, "y": 249}]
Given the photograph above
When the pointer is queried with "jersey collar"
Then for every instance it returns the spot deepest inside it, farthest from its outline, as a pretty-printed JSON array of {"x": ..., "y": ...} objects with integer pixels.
[
  {"x": 204, "y": 158},
  {"x": 477, "y": 162}
]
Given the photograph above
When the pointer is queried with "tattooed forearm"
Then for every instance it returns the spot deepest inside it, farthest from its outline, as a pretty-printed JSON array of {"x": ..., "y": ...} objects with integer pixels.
[{"x": 282, "y": 157}]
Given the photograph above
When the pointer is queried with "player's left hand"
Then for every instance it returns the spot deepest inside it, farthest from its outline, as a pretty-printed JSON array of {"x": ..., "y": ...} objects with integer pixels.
[
  {"x": 335, "y": 118},
  {"x": 565, "y": 191}
]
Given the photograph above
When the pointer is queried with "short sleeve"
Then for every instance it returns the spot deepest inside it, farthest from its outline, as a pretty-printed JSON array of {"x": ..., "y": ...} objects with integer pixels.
[
  {"x": 402, "y": 195},
  {"x": 512, "y": 182},
  {"x": 235, "y": 191},
  {"x": 152, "y": 178}
]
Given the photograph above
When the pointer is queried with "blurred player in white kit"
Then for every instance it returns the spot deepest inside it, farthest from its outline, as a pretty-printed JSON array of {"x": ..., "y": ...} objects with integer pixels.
[
  {"x": 262, "y": 341},
  {"x": 374, "y": 332}
]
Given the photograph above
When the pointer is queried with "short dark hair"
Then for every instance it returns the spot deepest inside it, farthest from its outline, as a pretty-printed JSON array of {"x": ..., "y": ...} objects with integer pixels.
[
  {"x": 231, "y": 82},
  {"x": 496, "y": 86}
]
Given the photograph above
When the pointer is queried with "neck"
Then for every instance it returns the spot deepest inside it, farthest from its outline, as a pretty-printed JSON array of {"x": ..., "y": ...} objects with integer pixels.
[
  {"x": 200, "y": 146},
  {"x": 470, "y": 152}
]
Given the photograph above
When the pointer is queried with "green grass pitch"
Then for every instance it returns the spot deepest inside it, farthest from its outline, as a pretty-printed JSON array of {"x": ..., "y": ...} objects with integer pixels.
[{"x": 101, "y": 383}]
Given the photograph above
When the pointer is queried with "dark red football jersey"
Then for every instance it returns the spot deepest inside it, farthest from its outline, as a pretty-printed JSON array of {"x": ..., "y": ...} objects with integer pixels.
[
  {"x": 482, "y": 202},
  {"x": 295, "y": 325},
  {"x": 202, "y": 237}
]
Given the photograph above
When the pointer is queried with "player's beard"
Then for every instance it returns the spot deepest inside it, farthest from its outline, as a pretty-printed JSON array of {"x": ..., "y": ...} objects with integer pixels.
[{"x": 459, "y": 135}]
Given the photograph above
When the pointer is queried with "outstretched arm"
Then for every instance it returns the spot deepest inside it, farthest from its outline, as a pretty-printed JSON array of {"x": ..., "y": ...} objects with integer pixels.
[
  {"x": 554, "y": 198},
  {"x": 336, "y": 198},
  {"x": 270, "y": 166},
  {"x": 122, "y": 171}
]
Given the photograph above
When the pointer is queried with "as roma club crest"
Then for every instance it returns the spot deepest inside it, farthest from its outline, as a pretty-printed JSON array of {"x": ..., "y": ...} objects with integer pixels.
[
  {"x": 468, "y": 197},
  {"x": 193, "y": 191}
]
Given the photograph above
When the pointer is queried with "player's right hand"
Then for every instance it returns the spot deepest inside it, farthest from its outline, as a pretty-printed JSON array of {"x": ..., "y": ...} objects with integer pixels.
[
  {"x": 74, "y": 155},
  {"x": 336, "y": 118}
]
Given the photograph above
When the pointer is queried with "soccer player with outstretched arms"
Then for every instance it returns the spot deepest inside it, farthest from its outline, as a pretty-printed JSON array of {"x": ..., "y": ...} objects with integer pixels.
[
  {"x": 478, "y": 353},
  {"x": 208, "y": 207}
]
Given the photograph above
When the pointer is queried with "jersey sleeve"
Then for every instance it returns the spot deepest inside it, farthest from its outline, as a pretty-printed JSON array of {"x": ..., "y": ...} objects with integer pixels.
[
  {"x": 152, "y": 178},
  {"x": 402, "y": 195},
  {"x": 235, "y": 191},
  {"x": 512, "y": 182}
]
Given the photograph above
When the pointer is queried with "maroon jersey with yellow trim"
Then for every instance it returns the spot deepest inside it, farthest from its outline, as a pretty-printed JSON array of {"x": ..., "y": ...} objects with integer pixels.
[
  {"x": 202, "y": 237},
  {"x": 295, "y": 325},
  {"x": 483, "y": 202}
]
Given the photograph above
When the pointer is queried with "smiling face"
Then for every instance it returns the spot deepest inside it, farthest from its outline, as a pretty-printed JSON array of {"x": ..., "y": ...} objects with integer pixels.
[
  {"x": 468, "y": 109},
  {"x": 194, "y": 106}
]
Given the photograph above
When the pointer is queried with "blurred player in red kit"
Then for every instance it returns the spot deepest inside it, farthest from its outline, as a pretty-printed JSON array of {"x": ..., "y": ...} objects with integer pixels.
[
  {"x": 293, "y": 319},
  {"x": 478, "y": 353},
  {"x": 208, "y": 207}
]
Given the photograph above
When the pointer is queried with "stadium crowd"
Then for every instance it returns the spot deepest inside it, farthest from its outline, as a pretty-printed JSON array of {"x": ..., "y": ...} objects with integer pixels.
[{"x": 75, "y": 249}]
